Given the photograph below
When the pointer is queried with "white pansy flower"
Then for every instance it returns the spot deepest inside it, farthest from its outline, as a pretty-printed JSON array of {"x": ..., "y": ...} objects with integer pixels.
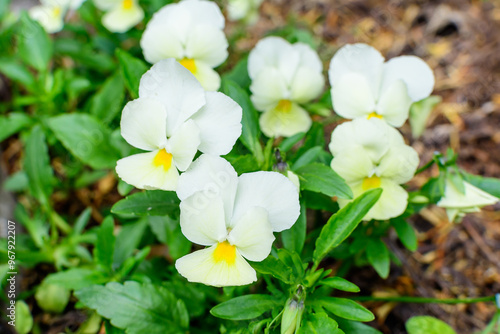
[
  {"x": 234, "y": 216},
  {"x": 173, "y": 118},
  {"x": 284, "y": 76},
  {"x": 190, "y": 31},
  {"x": 364, "y": 86},
  {"x": 457, "y": 204},
  {"x": 121, "y": 15},
  {"x": 370, "y": 154},
  {"x": 245, "y": 10},
  {"x": 50, "y": 13}
]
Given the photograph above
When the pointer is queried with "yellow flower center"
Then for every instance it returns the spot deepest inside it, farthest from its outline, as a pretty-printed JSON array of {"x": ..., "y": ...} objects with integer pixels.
[
  {"x": 374, "y": 114},
  {"x": 284, "y": 106},
  {"x": 127, "y": 4},
  {"x": 371, "y": 183},
  {"x": 163, "y": 158},
  {"x": 57, "y": 11},
  {"x": 189, "y": 64},
  {"x": 225, "y": 252}
]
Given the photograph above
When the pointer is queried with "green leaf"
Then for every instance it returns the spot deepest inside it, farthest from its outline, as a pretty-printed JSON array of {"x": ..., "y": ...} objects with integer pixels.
[
  {"x": 289, "y": 142},
  {"x": 77, "y": 278},
  {"x": 341, "y": 224},
  {"x": 37, "y": 166},
  {"x": 132, "y": 69},
  {"x": 18, "y": 73},
  {"x": 109, "y": 99},
  {"x": 245, "y": 307},
  {"x": 346, "y": 308},
  {"x": 243, "y": 163},
  {"x": 308, "y": 157},
  {"x": 105, "y": 245},
  {"x": 138, "y": 308},
  {"x": 13, "y": 123},
  {"x": 292, "y": 260},
  {"x": 419, "y": 113},
  {"x": 86, "y": 138},
  {"x": 489, "y": 184},
  {"x": 340, "y": 284},
  {"x": 81, "y": 221},
  {"x": 427, "y": 325},
  {"x": 354, "y": 327},
  {"x": 148, "y": 203},
  {"x": 239, "y": 74},
  {"x": 168, "y": 231},
  {"x": 320, "y": 178},
  {"x": 294, "y": 238},
  {"x": 84, "y": 54},
  {"x": 378, "y": 256},
  {"x": 319, "y": 323},
  {"x": 405, "y": 233},
  {"x": 250, "y": 132},
  {"x": 33, "y": 44},
  {"x": 17, "y": 182},
  {"x": 23, "y": 318},
  {"x": 127, "y": 241},
  {"x": 275, "y": 267}
]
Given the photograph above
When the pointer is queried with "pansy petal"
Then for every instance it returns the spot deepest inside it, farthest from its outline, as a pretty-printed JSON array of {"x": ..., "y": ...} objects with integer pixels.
[
  {"x": 253, "y": 235},
  {"x": 375, "y": 135},
  {"x": 159, "y": 41},
  {"x": 174, "y": 86},
  {"x": 277, "y": 123},
  {"x": 184, "y": 144},
  {"x": 106, "y": 4},
  {"x": 274, "y": 52},
  {"x": 415, "y": 73},
  {"x": 121, "y": 19},
  {"x": 207, "y": 76},
  {"x": 391, "y": 203},
  {"x": 353, "y": 164},
  {"x": 204, "y": 12},
  {"x": 201, "y": 267},
  {"x": 357, "y": 58},
  {"x": 399, "y": 164},
  {"x": 271, "y": 191},
  {"x": 212, "y": 175},
  {"x": 352, "y": 96},
  {"x": 50, "y": 18},
  {"x": 219, "y": 122},
  {"x": 394, "y": 104},
  {"x": 208, "y": 44},
  {"x": 143, "y": 124},
  {"x": 473, "y": 197},
  {"x": 202, "y": 219},
  {"x": 268, "y": 88},
  {"x": 140, "y": 171},
  {"x": 308, "y": 57},
  {"x": 307, "y": 84}
]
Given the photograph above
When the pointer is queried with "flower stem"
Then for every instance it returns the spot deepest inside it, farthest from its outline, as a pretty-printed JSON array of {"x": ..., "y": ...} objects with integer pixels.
[{"x": 407, "y": 299}]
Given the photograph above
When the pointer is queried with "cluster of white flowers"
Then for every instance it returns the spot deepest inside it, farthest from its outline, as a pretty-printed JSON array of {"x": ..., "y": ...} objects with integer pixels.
[
  {"x": 190, "y": 31},
  {"x": 50, "y": 13},
  {"x": 244, "y": 10},
  {"x": 173, "y": 118},
  {"x": 284, "y": 76}
]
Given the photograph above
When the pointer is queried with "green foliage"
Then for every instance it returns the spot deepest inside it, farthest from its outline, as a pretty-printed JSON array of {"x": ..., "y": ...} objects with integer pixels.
[
  {"x": 346, "y": 308},
  {"x": 320, "y": 178},
  {"x": 108, "y": 101},
  {"x": 34, "y": 45},
  {"x": 132, "y": 70},
  {"x": 295, "y": 237},
  {"x": 86, "y": 138},
  {"x": 148, "y": 203},
  {"x": 340, "y": 284},
  {"x": 245, "y": 307},
  {"x": 427, "y": 325},
  {"x": 378, "y": 256},
  {"x": 341, "y": 224},
  {"x": 137, "y": 308},
  {"x": 420, "y": 112},
  {"x": 405, "y": 233},
  {"x": 37, "y": 166}
]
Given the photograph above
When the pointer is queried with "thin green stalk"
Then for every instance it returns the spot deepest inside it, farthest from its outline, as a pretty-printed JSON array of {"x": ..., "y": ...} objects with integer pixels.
[{"x": 407, "y": 299}]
